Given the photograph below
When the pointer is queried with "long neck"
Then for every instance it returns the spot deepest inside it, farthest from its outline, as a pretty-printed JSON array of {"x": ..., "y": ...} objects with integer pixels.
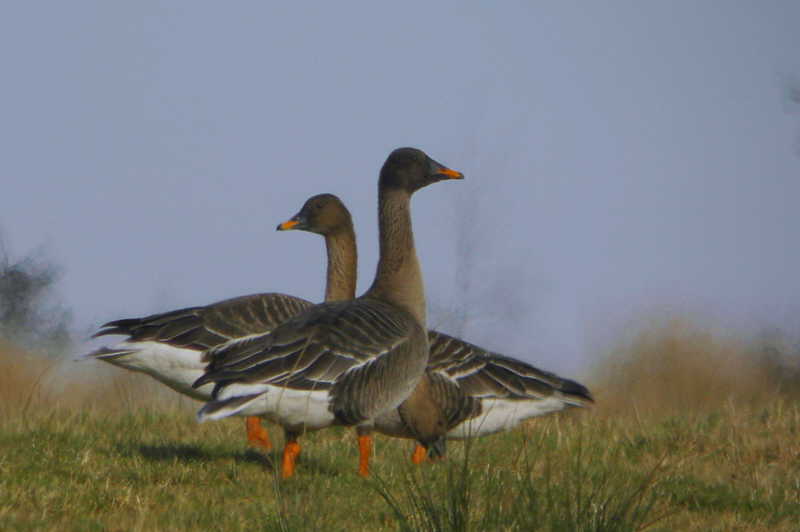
[
  {"x": 342, "y": 264},
  {"x": 399, "y": 277}
]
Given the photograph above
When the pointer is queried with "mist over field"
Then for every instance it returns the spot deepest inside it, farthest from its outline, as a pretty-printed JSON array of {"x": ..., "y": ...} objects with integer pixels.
[{"x": 624, "y": 162}]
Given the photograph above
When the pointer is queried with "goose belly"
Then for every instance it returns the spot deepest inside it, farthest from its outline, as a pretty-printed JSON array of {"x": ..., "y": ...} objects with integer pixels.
[
  {"x": 391, "y": 424},
  {"x": 176, "y": 367},
  {"x": 295, "y": 410},
  {"x": 503, "y": 414}
]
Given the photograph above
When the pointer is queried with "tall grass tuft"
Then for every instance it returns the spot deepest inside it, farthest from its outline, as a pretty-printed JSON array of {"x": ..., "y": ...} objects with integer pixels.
[
  {"x": 558, "y": 482},
  {"x": 440, "y": 502}
]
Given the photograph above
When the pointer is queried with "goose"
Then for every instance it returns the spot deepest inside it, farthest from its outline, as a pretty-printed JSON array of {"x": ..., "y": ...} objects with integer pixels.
[
  {"x": 472, "y": 391},
  {"x": 341, "y": 363},
  {"x": 170, "y": 346}
]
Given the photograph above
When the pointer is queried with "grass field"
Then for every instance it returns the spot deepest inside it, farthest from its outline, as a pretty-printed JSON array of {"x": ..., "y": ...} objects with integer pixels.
[{"x": 690, "y": 432}]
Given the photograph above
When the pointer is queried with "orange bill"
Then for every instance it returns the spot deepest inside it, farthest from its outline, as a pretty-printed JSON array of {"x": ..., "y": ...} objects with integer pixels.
[
  {"x": 452, "y": 174},
  {"x": 288, "y": 224}
]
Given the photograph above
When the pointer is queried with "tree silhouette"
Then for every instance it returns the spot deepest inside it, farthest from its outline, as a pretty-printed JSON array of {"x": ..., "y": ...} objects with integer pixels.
[{"x": 29, "y": 315}]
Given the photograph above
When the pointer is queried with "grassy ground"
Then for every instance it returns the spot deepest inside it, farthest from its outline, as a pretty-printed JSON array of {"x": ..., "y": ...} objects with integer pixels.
[{"x": 691, "y": 432}]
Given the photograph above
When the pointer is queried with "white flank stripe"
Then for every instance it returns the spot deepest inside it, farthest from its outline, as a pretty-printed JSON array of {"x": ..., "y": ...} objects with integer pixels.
[
  {"x": 296, "y": 410},
  {"x": 176, "y": 367},
  {"x": 504, "y": 414}
]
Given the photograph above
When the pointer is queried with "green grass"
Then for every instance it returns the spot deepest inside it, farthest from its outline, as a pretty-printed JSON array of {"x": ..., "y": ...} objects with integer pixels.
[
  {"x": 689, "y": 435},
  {"x": 151, "y": 469}
]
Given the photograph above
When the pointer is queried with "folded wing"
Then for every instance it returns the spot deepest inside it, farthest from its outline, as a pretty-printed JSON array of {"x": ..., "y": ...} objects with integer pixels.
[{"x": 352, "y": 349}]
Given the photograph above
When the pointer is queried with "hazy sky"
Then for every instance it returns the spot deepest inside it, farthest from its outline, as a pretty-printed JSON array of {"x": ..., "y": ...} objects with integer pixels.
[{"x": 622, "y": 158}]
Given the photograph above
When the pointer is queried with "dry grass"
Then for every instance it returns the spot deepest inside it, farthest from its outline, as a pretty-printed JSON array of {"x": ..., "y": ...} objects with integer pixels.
[
  {"x": 676, "y": 368},
  {"x": 692, "y": 431},
  {"x": 31, "y": 383}
]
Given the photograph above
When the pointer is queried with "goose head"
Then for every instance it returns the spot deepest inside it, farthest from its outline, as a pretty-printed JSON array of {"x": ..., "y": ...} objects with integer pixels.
[
  {"x": 410, "y": 169},
  {"x": 323, "y": 214}
]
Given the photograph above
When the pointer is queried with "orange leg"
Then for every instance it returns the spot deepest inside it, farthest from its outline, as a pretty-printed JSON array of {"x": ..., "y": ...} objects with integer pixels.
[
  {"x": 257, "y": 435},
  {"x": 291, "y": 450},
  {"x": 364, "y": 450},
  {"x": 419, "y": 454}
]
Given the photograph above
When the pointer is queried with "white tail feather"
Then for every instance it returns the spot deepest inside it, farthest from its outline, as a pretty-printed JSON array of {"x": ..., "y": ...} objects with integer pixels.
[{"x": 214, "y": 410}]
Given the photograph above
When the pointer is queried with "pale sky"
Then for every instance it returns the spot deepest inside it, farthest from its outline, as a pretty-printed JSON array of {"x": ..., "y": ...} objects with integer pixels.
[{"x": 622, "y": 158}]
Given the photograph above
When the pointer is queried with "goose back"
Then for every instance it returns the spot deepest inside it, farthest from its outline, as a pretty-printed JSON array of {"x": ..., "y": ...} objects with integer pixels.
[
  {"x": 483, "y": 373},
  {"x": 170, "y": 346},
  {"x": 204, "y": 327}
]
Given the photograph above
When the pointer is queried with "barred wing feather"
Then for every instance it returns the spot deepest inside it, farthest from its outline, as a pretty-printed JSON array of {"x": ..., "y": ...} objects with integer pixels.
[
  {"x": 332, "y": 344},
  {"x": 485, "y": 374},
  {"x": 202, "y": 328}
]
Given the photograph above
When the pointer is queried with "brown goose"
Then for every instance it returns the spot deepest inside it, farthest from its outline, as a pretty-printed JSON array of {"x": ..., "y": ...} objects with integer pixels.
[
  {"x": 170, "y": 346},
  {"x": 467, "y": 390},
  {"x": 507, "y": 390},
  {"x": 343, "y": 363}
]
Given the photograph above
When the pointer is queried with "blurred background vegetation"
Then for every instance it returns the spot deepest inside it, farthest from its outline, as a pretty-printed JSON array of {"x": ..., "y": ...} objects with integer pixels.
[{"x": 31, "y": 315}]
